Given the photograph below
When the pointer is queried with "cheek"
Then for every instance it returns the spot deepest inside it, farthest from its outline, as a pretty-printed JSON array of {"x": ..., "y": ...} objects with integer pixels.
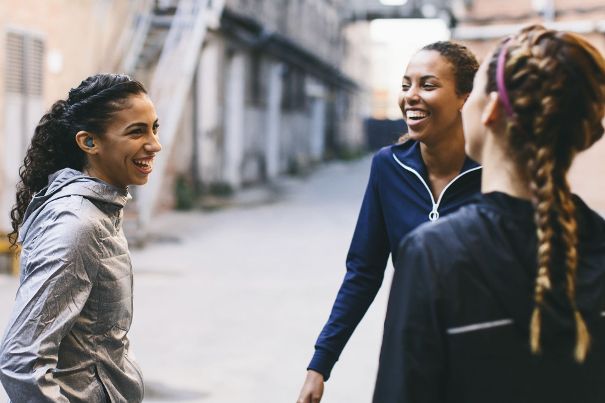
[
  {"x": 401, "y": 100},
  {"x": 449, "y": 107}
]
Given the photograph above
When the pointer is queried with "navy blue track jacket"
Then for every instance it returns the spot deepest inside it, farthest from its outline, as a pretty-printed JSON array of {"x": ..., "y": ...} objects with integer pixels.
[{"x": 397, "y": 200}]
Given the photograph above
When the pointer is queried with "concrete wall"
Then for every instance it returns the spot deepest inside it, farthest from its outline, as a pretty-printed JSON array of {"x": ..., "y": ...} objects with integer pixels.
[{"x": 210, "y": 109}]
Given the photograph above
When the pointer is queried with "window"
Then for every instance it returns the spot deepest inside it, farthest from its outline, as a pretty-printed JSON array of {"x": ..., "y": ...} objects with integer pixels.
[
  {"x": 23, "y": 104},
  {"x": 24, "y": 61}
]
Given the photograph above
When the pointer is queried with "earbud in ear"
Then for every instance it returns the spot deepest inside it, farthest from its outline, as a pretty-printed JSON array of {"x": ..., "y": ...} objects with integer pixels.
[{"x": 89, "y": 142}]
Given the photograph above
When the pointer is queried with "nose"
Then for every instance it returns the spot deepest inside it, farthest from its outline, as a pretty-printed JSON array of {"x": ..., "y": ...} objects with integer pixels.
[
  {"x": 411, "y": 96},
  {"x": 153, "y": 145}
]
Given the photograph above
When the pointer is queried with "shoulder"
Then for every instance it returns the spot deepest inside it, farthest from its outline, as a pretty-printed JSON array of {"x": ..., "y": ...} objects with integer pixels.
[
  {"x": 443, "y": 240},
  {"x": 591, "y": 224},
  {"x": 392, "y": 156},
  {"x": 385, "y": 154},
  {"x": 69, "y": 219},
  {"x": 401, "y": 150}
]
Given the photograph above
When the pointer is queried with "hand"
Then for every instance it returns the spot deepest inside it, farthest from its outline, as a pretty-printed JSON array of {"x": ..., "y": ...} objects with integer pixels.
[{"x": 313, "y": 388}]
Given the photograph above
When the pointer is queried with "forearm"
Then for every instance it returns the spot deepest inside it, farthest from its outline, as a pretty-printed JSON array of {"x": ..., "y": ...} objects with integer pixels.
[{"x": 352, "y": 302}]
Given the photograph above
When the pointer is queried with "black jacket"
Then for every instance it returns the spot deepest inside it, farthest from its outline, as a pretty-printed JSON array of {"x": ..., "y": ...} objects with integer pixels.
[{"x": 457, "y": 324}]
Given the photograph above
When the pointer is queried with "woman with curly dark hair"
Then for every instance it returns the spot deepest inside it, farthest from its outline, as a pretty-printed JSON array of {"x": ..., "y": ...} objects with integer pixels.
[
  {"x": 426, "y": 175},
  {"x": 504, "y": 300},
  {"x": 67, "y": 337}
]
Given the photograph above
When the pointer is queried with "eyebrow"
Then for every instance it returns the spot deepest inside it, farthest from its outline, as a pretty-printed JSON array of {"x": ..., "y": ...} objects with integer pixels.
[
  {"x": 143, "y": 124},
  {"x": 422, "y": 77}
]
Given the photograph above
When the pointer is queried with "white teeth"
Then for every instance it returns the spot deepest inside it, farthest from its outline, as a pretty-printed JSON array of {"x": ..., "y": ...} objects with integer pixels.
[
  {"x": 416, "y": 114},
  {"x": 147, "y": 163}
]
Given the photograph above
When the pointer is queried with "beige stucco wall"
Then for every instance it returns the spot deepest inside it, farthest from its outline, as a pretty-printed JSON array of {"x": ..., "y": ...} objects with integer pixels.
[{"x": 82, "y": 32}]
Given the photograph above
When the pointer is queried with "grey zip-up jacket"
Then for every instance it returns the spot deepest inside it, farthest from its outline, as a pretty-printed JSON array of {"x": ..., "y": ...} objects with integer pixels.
[{"x": 66, "y": 340}]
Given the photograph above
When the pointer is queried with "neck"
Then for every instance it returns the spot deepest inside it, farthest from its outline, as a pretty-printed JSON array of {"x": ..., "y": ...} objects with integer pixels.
[
  {"x": 500, "y": 173},
  {"x": 446, "y": 156}
]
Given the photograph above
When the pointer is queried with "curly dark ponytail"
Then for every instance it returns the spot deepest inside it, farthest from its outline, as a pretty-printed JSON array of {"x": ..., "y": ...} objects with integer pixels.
[{"x": 89, "y": 107}]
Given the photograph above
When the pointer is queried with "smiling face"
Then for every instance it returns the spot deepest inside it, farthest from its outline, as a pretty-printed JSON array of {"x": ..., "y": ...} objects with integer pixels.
[
  {"x": 428, "y": 98},
  {"x": 124, "y": 154}
]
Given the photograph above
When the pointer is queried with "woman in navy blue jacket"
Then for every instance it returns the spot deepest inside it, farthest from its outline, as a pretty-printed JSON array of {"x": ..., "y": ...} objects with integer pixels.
[
  {"x": 422, "y": 178},
  {"x": 504, "y": 300}
]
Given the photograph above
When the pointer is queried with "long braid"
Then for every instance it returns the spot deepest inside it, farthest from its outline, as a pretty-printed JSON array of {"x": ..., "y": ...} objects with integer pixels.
[
  {"x": 569, "y": 233},
  {"x": 556, "y": 81},
  {"x": 542, "y": 187}
]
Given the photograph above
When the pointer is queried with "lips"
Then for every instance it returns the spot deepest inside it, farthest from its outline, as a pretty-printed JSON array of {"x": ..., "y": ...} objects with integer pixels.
[
  {"x": 144, "y": 165},
  {"x": 416, "y": 117}
]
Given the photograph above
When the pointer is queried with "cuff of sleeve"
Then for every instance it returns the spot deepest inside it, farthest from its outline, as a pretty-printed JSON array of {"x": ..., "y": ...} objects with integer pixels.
[{"x": 323, "y": 362}]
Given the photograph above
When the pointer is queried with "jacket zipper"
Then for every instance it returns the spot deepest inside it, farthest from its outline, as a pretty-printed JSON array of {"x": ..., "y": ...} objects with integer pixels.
[{"x": 434, "y": 214}]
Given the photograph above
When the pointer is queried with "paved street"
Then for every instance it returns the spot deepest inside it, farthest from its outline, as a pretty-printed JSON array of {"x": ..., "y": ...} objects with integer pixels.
[
  {"x": 229, "y": 303},
  {"x": 231, "y": 310}
]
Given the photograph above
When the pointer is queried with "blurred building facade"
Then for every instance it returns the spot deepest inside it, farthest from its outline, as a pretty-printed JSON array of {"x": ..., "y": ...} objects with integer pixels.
[
  {"x": 271, "y": 93},
  {"x": 246, "y": 90},
  {"x": 482, "y": 23}
]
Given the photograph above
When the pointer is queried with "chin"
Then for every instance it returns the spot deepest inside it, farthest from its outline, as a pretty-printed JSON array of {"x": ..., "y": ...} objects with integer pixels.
[
  {"x": 475, "y": 156},
  {"x": 139, "y": 181},
  {"x": 415, "y": 135}
]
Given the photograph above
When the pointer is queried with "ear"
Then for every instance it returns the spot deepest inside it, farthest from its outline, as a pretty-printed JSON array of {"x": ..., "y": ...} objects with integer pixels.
[
  {"x": 83, "y": 141},
  {"x": 492, "y": 110}
]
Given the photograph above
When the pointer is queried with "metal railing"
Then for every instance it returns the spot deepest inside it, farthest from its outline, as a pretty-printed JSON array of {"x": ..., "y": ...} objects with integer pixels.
[
  {"x": 171, "y": 82},
  {"x": 130, "y": 43}
]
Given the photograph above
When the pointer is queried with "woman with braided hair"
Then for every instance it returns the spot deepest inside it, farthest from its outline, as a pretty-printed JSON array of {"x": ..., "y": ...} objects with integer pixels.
[
  {"x": 504, "y": 300},
  {"x": 67, "y": 339}
]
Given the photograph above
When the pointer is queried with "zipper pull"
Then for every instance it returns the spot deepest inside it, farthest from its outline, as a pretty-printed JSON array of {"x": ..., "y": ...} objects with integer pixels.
[{"x": 434, "y": 214}]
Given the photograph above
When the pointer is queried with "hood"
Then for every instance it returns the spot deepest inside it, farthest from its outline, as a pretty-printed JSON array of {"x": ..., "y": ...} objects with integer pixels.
[{"x": 70, "y": 182}]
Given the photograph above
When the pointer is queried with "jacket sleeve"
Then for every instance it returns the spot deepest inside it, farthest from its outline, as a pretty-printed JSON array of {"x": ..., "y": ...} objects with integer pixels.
[
  {"x": 413, "y": 353},
  {"x": 54, "y": 288},
  {"x": 366, "y": 262}
]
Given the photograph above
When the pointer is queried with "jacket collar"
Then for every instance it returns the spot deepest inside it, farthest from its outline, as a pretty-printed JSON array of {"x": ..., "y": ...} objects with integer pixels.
[
  {"x": 70, "y": 182},
  {"x": 409, "y": 154}
]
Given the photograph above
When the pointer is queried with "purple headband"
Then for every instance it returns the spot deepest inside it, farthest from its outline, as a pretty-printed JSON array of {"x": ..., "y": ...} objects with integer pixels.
[{"x": 500, "y": 79}]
